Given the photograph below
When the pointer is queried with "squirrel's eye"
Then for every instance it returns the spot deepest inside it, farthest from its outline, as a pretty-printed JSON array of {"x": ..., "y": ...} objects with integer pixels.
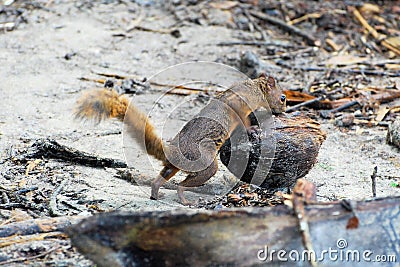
[{"x": 283, "y": 98}]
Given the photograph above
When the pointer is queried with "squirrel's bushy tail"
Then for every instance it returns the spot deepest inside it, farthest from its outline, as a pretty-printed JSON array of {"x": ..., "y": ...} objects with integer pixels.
[{"x": 100, "y": 104}]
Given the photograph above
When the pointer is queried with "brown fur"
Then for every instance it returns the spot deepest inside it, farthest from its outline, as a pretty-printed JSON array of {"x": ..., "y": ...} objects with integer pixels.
[
  {"x": 100, "y": 104},
  {"x": 195, "y": 147}
]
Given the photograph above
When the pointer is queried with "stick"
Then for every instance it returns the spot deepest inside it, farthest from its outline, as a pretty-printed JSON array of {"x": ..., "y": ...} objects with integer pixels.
[
  {"x": 137, "y": 21},
  {"x": 373, "y": 178},
  {"x": 327, "y": 113},
  {"x": 145, "y": 29},
  {"x": 12, "y": 240},
  {"x": 26, "y": 190},
  {"x": 53, "y": 210},
  {"x": 176, "y": 89},
  {"x": 86, "y": 79},
  {"x": 12, "y": 205},
  {"x": 302, "y": 192},
  {"x": 292, "y": 29},
  {"x": 337, "y": 70},
  {"x": 305, "y": 17},
  {"x": 49, "y": 148},
  {"x": 19, "y": 201},
  {"x": 258, "y": 28},
  {"x": 255, "y": 43},
  {"x": 332, "y": 44},
  {"x": 374, "y": 33},
  {"x": 38, "y": 226},
  {"x": 306, "y": 103},
  {"x": 112, "y": 75},
  {"x": 30, "y": 258},
  {"x": 122, "y": 77},
  {"x": 301, "y": 53}
]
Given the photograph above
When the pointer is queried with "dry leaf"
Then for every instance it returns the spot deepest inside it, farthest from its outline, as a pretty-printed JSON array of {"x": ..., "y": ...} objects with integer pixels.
[
  {"x": 20, "y": 215},
  {"x": 32, "y": 164},
  {"x": 395, "y": 109},
  {"x": 224, "y": 5},
  {"x": 370, "y": 8},
  {"x": 394, "y": 41},
  {"x": 390, "y": 66},
  {"x": 383, "y": 110},
  {"x": 345, "y": 60},
  {"x": 295, "y": 96},
  {"x": 22, "y": 183},
  {"x": 352, "y": 223}
]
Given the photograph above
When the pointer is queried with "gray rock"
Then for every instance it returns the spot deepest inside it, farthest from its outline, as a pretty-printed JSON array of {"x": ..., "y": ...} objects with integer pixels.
[{"x": 393, "y": 135}]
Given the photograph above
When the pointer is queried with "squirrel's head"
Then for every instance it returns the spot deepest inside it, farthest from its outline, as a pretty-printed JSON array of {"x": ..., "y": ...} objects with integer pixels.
[{"x": 273, "y": 93}]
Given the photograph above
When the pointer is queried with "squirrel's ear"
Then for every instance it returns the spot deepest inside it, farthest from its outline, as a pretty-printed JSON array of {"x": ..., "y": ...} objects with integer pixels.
[
  {"x": 262, "y": 75},
  {"x": 271, "y": 82}
]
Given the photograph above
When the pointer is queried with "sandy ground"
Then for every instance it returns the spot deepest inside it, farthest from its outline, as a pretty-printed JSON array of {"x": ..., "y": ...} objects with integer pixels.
[{"x": 39, "y": 87}]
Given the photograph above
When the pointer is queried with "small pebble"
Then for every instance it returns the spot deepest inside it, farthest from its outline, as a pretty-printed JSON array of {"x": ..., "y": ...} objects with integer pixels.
[{"x": 346, "y": 120}]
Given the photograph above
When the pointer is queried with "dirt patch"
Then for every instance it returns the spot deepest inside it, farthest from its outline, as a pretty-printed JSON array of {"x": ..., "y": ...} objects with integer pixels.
[{"x": 52, "y": 44}]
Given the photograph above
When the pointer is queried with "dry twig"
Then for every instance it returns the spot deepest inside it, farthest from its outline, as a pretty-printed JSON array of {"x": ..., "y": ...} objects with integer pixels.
[
  {"x": 373, "y": 178},
  {"x": 303, "y": 104},
  {"x": 374, "y": 33},
  {"x": 49, "y": 148},
  {"x": 311, "y": 40},
  {"x": 30, "y": 258},
  {"x": 16, "y": 239},
  {"x": 53, "y": 210},
  {"x": 38, "y": 226}
]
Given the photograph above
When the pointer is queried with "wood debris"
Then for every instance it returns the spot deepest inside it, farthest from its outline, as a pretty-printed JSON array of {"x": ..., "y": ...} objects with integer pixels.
[{"x": 237, "y": 236}]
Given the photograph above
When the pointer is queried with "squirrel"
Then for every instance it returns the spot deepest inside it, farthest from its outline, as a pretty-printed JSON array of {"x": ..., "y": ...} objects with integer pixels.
[{"x": 194, "y": 149}]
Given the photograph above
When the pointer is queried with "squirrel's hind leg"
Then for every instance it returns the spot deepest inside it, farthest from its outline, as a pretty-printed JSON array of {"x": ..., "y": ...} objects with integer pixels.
[
  {"x": 196, "y": 179},
  {"x": 166, "y": 173}
]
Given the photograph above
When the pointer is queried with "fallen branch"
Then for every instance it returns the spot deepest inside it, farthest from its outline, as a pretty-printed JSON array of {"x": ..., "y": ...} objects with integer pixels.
[
  {"x": 17, "y": 239},
  {"x": 38, "y": 226},
  {"x": 49, "y": 148},
  {"x": 311, "y": 40},
  {"x": 386, "y": 95},
  {"x": 236, "y": 237}
]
